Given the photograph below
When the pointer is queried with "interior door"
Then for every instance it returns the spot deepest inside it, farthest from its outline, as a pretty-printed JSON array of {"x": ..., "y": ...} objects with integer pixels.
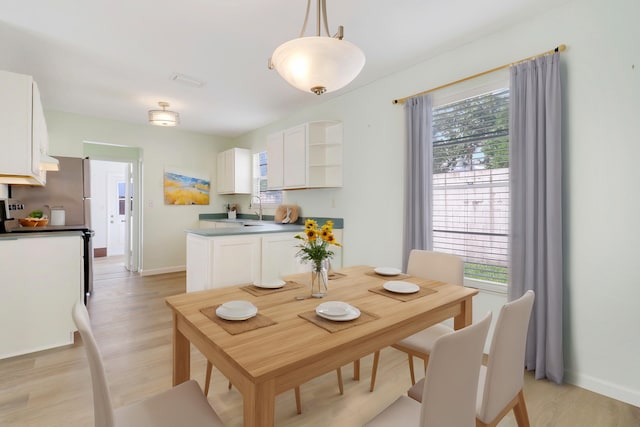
[{"x": 117, "y": 214}]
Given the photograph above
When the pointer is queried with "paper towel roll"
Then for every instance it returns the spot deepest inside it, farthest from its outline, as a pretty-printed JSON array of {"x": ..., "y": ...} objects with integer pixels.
[{"x": 57, "y": 216}]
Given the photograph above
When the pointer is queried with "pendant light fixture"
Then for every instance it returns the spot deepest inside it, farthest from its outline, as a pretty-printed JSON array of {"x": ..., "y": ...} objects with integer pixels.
[
  {"x": 164, "y": 117},
  {"x": 319, "y": 64}
]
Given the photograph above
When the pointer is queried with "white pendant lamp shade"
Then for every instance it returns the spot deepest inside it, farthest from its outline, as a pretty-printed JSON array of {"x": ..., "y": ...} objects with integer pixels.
[
  {"x": 318, "y": 64},
  {"x": 164, "y": 117}
]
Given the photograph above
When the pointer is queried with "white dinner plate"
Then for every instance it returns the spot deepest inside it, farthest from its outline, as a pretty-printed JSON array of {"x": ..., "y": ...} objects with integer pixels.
[
  {"x": 387, "y": 271},
  {"x": 236, "y": 310},
  {"x": 337, "y": 310},
  {"x": 270, "y": 284},
  {"x": 401, "y": 287}
]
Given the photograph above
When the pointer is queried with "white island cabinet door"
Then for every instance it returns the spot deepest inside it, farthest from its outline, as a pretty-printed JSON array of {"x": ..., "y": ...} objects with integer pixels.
[
  {"x": 279, "y": 256},
  {"x": 236, "y": 260},
  {"x": 199, "y": 250}
]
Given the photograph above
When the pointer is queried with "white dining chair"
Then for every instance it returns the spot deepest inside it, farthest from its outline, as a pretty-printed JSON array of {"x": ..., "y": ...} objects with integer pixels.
[
  {"x": 183, "y": 405},
  {"x": 425, "y": 265},
  {"x": 502, "y": 379},
  {"x": 449, "y": 392}
]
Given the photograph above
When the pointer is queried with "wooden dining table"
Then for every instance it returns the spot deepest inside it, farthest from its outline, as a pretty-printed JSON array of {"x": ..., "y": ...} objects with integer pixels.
[{"x": 289, "y": 344}]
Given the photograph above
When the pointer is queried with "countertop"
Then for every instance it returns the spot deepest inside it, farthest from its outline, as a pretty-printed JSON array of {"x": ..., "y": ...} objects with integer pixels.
[
  {"x": 253, "y": 226},
  {"x": 46, "y": 231},
  {"x": 249, "y": 227}
]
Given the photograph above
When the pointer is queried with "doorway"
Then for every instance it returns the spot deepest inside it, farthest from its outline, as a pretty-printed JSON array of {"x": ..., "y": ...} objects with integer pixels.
[
  {"x": 118, "y": 212},
  {"x": 112, "y": 213},
  {"x": 118, "y": 165}
]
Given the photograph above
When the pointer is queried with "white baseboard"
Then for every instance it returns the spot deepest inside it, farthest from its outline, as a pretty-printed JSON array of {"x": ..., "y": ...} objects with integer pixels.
[
  {"x": 596, "y": 385},
  {"x": 163, "y": 270}
]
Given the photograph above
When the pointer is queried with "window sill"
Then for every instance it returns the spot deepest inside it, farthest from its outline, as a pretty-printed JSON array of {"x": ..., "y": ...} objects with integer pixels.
[{"x": 483, "y": 285}]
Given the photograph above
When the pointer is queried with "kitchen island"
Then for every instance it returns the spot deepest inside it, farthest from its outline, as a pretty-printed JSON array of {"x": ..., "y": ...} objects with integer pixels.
[
  {"x": 42, "y": 278},
  {"x": 247, "y": 251}
]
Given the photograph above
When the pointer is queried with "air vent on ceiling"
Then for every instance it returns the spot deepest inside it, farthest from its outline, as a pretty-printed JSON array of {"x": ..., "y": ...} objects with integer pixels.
[{"x": 186, "y": 80}]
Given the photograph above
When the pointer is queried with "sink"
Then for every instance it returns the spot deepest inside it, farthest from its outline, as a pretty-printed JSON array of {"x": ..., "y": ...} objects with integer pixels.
[{"x": 254, "y": 223}]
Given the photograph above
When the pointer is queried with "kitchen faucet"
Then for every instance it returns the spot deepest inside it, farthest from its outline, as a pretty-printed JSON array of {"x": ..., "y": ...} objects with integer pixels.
[{"x": 259, "y": 212}]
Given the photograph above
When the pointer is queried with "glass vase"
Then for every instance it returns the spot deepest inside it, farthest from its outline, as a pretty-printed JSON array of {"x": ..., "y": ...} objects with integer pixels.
[{"x": 319, "y": 279}]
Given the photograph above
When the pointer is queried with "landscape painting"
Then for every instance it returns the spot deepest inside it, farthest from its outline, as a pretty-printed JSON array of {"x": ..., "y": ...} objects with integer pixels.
[{"x": 185, "y": 188}]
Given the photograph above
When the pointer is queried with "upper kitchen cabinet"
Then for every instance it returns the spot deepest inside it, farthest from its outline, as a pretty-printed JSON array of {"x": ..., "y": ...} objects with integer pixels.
[
  {"x": 234, "y": 171},
  {"x": 305, "y": 156},
  {"x": 23, "y": 131}
]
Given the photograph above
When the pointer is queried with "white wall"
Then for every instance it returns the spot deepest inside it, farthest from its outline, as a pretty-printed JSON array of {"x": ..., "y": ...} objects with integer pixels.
[
  {"x": 601, "y": 108},
  {"x": 163, "y": 237}
]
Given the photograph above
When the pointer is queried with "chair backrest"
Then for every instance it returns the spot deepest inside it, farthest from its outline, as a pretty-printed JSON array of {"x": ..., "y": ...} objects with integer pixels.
[
  {"x": 505, "y": 366},
  {"x": 436, "y": 266},
  {"x": 102, "y": 407},
  {"x": 451, "y": 380}
]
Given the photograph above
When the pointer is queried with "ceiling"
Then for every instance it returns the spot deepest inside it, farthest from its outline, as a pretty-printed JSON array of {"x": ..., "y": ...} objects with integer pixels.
[{"x": 114, "y": 59}]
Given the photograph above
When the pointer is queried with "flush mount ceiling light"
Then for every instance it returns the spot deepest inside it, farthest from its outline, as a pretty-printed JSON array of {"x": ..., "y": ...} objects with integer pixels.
[
  {"x": 164, "y": 117},
  {"x": 319, "y": 64}
]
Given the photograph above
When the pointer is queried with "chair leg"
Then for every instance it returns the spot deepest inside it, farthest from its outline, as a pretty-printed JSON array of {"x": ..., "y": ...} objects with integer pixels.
[
  {"x": 520, "y": 411},
  {"x": 374, "y": 369},
  {"x": 230, "y": 385},
  {"x": 298, "y": 400},
  {"x": 519, "y": 408},
  {"x": 340, "y": 385},
  {"x": 207, "y": 380},
  {"x": 356, "y": 370},
  {"x": 413, "y": 375}
]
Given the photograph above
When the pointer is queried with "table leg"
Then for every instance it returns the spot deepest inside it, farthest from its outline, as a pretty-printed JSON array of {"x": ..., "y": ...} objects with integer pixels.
[
  {"x": 259, "y": 405},
  {"x": 181, "y": 355},
  {"x": 465, "y": 318}
]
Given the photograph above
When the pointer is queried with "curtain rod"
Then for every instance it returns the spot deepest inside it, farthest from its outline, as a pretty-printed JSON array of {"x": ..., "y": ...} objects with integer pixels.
[{"x": 560, "y": 48}]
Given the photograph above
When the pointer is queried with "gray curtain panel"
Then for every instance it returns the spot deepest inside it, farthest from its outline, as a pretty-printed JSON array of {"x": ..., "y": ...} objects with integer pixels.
[
  {"x": 418, "y": 192},
  {"x": 536, "y": 208}
]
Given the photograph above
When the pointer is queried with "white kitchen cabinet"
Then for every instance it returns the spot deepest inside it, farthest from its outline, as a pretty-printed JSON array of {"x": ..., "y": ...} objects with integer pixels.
[
  {"x": 234, "y": 171},
  {"x": 279, "y": 256},
  {"x": 214, "y": 262},
  {"x": 236, "y": 260},
  {"x": 199, "y": 257},
  {"x": 275, "y": 161},
  {"x": 218, "y": 261},
  {"x": 305, "y": 156},
  {"x": 23, "y": 131},
  {"x": 42, "y": 278}
]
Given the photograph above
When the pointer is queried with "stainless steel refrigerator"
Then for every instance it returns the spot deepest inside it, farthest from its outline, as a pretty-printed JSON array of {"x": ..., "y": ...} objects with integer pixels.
[{"x": 68, "y": 189}]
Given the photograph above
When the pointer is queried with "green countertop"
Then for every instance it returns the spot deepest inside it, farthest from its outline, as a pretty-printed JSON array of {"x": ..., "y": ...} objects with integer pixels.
[{"x": 253, "y": 226}]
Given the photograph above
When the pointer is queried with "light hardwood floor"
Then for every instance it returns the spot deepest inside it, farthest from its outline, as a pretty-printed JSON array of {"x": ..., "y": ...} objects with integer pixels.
[{"x": 133, "y": 328}]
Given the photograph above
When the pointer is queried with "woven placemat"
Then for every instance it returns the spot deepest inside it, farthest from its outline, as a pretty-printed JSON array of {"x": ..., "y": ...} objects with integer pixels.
[
  {"x": 334, "y": 326},
  {"x": 335, "y": 276},
  {"x": 403, "y": 297},
  {"x": 235, "y": 327},
  {"x": 382, "y": 276},
  {"x": 258, "y": 292}
]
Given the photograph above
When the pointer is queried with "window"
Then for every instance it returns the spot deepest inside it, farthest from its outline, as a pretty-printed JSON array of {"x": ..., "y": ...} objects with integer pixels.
[
  {"x": 471, "y": 183},
  {"x": 260, "y": 164}
]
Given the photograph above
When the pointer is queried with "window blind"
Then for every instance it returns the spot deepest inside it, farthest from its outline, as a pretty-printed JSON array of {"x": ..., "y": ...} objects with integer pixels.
[
  {"x": 471, "y": 183},
  {"x": 260, "y": 165}
]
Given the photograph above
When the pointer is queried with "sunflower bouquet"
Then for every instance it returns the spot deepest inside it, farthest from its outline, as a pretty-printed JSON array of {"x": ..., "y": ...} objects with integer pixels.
[{"x": 316, "y": 242}]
